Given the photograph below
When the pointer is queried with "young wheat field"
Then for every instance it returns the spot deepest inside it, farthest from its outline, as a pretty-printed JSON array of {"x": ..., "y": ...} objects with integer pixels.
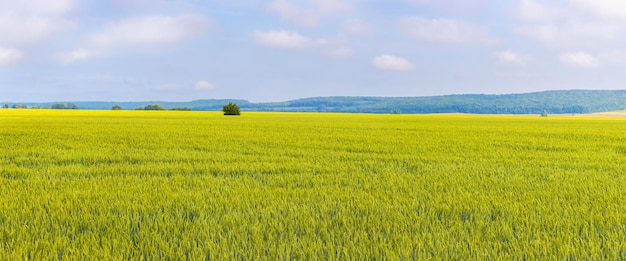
[{"x": 108, "y": 185}]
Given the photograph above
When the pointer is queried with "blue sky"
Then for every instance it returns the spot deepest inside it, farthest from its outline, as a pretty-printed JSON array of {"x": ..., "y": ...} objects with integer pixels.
[{"x": 182, "y": 50}]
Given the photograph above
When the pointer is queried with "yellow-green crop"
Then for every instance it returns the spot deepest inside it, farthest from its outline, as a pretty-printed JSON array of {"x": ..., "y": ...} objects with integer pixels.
[{"x": 195, "y": 185}]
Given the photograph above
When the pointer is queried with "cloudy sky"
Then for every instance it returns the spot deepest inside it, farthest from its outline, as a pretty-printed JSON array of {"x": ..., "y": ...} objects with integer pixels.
[{"x": 275, "y": 50}]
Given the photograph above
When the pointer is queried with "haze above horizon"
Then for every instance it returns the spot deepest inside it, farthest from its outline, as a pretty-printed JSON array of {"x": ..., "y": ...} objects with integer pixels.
[{"x": 278, "y": 50}]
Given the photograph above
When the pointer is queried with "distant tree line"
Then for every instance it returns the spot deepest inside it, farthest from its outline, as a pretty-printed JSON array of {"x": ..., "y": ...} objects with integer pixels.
[
  {"x": 151, "y": 107},
  {"x": 155, "y": 107},
  {"x": 56, "y": 106},
  {"x": 64, "y": 106},
  {"x": 181, "y": 109}
]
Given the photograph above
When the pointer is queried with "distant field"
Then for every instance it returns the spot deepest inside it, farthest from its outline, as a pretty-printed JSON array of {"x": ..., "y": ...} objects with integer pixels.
[
  {"x": 613, "y": 114},
  {"x": 197, "y": 185}
]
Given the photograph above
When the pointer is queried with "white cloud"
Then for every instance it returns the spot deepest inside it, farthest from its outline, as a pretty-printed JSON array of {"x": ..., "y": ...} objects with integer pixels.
[
  {"x": 204, "y": 85},
  {"x": 10, "y": 55},
  {"x": 38, "y": 6},
  {"x": 356, "y": 27},
  {"x": 151, "y": 30},
  {"x": 32, "y": 21},
  {"x": 462, "y": 6},
  {"x": 387, "y": 62},
  {"x": 615, "y": 57},
  {"x": 332, "y": 6},
  {"x": 508, "y": 57},
  {"x": 548, "y": 34},
  {"x": 532, "y": 11},
  {"x": 446, "y": 31},
  {"x": 579, "y": 59},
  {"x": 283, "y": 39},
  {"x": 603, "y": 8},
  {"x": 76, "y": 55},
  {"x": 570, "y": 34},
  {"x": 568, "y": 25},
  {"x": 340, "y": 52},
  {"x": 289, "y": 11},
  {"x": 307, "y": 13}
]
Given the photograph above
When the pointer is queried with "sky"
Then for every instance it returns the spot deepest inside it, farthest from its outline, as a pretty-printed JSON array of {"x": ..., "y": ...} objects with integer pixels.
[{"x": 277, "y": 50}]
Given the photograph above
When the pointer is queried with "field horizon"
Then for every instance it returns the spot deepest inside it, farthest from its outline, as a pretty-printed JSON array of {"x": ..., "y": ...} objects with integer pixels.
[{"x": 550, "y": 102}]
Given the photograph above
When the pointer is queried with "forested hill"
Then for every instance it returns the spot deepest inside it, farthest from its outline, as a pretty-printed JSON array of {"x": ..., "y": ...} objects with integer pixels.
[{"x": 569, "y": 101}]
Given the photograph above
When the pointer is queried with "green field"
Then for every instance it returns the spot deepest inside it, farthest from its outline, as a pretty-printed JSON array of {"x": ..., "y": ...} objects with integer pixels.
[{"x": 195, "y": 185}]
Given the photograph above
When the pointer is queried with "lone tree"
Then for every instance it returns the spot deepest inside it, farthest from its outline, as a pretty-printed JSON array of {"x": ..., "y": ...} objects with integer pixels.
[
  {"x": 231, "y": 109},
  {"x": 116, "y": 108}
]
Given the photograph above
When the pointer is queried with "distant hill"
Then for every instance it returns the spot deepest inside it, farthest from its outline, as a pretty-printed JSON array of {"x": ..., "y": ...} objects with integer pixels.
[{"x": 554, "y": 102}]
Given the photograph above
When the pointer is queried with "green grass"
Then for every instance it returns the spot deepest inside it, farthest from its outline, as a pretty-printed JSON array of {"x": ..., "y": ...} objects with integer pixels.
[{"x": 194, "y": 185}]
